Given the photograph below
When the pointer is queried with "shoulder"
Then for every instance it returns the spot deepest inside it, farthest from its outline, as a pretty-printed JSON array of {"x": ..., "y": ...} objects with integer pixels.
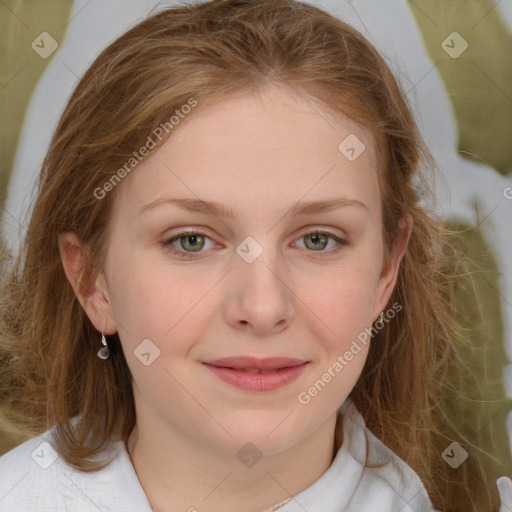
[
  {"x": 28, "y": 473},
  {"x": 387, "y": 482},
  {"x": 33, "y": 476}
]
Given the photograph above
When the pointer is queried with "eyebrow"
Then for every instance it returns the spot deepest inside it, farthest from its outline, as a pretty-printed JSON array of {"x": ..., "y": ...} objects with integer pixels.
[{"x": 213, "y": 207}]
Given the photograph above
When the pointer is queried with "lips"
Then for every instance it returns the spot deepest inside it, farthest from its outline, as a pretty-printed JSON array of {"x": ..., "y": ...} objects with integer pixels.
[
  {"x": 252, "y": 374},
  {"x": 255, "y": 365}
]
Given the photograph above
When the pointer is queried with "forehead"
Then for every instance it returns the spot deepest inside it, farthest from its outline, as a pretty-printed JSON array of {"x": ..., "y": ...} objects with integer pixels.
[{"x": 263, "y": 147}]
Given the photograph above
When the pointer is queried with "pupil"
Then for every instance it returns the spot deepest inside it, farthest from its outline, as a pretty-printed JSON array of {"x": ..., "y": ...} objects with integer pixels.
[
  {"x": 315, "y": 238},
  {"x": 192, "y": 241}
]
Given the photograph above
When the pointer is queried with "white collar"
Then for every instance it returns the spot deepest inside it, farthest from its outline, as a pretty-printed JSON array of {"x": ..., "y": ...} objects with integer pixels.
[{"x": 347, "y": 486}]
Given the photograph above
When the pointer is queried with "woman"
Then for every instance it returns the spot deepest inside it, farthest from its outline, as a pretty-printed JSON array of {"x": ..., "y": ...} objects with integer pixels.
[{"x": 230, "y": 297}]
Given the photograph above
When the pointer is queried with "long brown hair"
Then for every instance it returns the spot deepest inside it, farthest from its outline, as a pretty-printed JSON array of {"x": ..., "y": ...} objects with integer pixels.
[{"x": 206, "y": 51}]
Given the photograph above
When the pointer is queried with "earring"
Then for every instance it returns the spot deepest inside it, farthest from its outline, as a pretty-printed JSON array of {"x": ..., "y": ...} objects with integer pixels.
[
  {"x": 381, "y": 318},
  {"x": 104, "y": 351}
]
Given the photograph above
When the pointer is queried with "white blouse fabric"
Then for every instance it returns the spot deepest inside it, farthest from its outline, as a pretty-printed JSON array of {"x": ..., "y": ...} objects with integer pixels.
[{"x": 34, "y": 478}]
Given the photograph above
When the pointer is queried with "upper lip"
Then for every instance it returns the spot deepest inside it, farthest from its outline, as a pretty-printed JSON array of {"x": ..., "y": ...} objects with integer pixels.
[{"x": 253, "y": 363}]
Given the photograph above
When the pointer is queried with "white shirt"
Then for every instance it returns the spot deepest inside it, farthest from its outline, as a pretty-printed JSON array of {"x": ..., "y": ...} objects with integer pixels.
[{"x": 34, "y": 478}]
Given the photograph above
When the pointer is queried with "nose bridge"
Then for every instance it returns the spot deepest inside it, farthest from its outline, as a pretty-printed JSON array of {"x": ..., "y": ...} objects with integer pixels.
[
  {"x": 259, "y": 263},
  {"x": 259, "y": 284}
]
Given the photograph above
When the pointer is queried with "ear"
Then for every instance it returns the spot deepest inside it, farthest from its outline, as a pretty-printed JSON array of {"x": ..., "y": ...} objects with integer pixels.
[
  {"x": 389, "y": 273},
  {"x": 93, "y": 296}
]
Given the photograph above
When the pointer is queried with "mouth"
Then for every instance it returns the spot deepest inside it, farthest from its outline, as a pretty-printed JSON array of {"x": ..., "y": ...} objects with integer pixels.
[{"x": 254, "y": 374}]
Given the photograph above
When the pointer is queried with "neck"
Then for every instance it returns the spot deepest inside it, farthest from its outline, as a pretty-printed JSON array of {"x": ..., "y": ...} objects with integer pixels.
[{"x": 177, "y": 473}]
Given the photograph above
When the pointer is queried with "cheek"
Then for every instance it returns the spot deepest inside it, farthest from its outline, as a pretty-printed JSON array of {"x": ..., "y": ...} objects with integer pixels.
[
  {"x": 168, "y": 309},
  {"x": 151, "y": 300},
  {"x": 341, "y": 311},
  {"x": 342, "y": 302}
]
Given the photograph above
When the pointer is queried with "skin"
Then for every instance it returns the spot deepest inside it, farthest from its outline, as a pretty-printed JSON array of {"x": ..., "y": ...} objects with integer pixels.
[{"x": 257, "y": 154}]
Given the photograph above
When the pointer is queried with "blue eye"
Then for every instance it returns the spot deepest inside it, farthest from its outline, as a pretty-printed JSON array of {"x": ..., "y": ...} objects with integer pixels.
[{"x": 192, "y": 242}]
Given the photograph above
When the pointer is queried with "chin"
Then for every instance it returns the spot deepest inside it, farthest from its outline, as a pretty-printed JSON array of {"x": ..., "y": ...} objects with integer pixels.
[{"x": 270, "y": 435}]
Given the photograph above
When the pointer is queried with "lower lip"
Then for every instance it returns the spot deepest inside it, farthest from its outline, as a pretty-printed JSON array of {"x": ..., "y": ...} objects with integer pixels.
[{"x": 257, "y": 381}]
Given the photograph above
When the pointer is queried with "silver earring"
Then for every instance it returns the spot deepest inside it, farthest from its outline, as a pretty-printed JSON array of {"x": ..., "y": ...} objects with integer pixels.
[
  {"x": 381, "y": 318},
  {"x": 104, "y": 351}
]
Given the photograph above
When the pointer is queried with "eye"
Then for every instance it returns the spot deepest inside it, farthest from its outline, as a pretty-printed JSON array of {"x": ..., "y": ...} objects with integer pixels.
[
  {"x": 318, "y": 240},
  {"x": 189, "y": 244}
]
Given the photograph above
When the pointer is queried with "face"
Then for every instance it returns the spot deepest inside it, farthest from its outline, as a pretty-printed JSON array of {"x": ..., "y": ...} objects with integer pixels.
[{"x": 270, "y": 271}]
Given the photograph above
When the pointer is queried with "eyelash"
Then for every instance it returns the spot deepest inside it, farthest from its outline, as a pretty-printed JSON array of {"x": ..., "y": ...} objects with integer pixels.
[{"x": 190, "y": 255}]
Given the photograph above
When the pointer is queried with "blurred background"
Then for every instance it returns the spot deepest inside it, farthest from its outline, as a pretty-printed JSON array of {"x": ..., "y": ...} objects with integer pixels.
[{"x": 453, "y": 61}]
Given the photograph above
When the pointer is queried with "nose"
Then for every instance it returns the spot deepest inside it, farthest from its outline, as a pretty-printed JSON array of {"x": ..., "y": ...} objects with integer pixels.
[{"x": 260, "y": 297}]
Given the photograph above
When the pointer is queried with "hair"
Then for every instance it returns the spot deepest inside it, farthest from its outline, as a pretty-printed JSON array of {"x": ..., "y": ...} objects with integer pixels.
[{"x": 51, "y": 374}]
